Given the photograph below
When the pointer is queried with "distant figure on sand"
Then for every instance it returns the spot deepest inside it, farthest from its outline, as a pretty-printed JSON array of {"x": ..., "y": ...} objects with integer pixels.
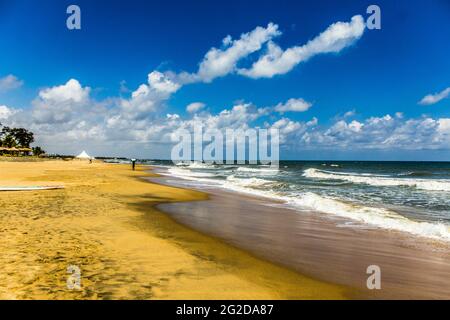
[{"x": 133, "y": 163}]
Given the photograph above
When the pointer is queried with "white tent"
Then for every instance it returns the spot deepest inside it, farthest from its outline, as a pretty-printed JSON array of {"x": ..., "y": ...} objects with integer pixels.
[{"x": 84, "y": 155}]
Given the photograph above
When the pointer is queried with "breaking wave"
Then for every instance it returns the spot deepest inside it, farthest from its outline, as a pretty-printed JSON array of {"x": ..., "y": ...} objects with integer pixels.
[
  {"x": 249, "y": 180},
  {"x": 380, "y": 180}
]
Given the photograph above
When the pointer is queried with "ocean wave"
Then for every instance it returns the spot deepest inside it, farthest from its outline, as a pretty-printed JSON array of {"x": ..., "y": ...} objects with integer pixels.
[
  {"x": 259, "y": 170},
  {"x": 201, "y": 165},
  {"x": 415, "y": 174},
  {"x": 373, "y": 216},
  {"x": 363, "y": 174},
  {"x": 330, "y": 165},
  {"x": 378, "y": 217},
  {"x": 378, "y": 180},
  {"x": 251, "y": 182},
  {"x": 195, "y": 165},
  {"x": 181, "y": 172}
]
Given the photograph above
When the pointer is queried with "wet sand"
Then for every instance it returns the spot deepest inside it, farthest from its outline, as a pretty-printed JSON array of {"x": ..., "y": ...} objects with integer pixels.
[
  {"x": 320, "y": 245},
  {"x": 104, "y": 221}
]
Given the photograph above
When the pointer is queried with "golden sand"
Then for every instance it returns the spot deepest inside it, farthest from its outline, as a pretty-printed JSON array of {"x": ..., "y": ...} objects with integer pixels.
[{"x": 104, "y": 222}]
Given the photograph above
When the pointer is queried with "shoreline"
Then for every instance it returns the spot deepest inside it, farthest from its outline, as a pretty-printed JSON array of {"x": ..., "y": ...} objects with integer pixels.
[
  {"x": 319, "y": 245},
  {"x": 105, "y": 222}
]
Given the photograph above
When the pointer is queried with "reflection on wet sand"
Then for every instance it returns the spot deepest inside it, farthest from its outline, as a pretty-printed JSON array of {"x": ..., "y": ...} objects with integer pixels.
[{"x": 324, "y": 247}]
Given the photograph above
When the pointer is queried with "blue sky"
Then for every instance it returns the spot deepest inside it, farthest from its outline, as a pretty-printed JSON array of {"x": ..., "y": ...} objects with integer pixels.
[{"x": 379, "y": 73}]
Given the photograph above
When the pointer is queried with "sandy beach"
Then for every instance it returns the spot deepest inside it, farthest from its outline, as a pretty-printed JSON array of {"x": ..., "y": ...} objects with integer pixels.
[{"x": 105, "y": 222}]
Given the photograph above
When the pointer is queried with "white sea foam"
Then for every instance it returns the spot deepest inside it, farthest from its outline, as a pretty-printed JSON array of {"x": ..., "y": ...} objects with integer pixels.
[
  {"x": 194, "y": 165},
  {"x": 377, "y": 217},
  {"x": 259, "y": 170},
  {"x": 249, "y": 182},
  {"x": 379, "y": 180},
  {"x": 181, "y": 172},
  {"x": 200, "y": 165},
  {"x": 331, "y": 165}
]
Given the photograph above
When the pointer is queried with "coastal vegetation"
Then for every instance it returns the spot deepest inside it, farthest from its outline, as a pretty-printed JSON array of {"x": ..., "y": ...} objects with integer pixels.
[{"x": 17, "y": 141}]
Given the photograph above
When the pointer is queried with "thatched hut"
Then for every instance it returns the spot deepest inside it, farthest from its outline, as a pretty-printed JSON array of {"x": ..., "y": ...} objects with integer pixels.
[{"x": 15, "y": 151}]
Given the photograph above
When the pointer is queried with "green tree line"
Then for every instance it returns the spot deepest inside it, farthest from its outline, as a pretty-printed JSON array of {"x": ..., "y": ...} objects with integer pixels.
[{"x": 18, "y": 138}]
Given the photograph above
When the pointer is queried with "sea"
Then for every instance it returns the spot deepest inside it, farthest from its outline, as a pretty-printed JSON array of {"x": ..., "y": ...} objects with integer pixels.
[{"x": 412, "y": 197}]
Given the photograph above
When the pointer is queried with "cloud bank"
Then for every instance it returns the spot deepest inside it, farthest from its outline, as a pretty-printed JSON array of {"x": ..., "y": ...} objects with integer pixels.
[{"x": 66, "y": 116}]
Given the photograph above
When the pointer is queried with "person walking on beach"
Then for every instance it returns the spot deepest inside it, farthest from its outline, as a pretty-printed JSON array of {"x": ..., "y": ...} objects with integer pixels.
[{"x": 133, "y": 163}]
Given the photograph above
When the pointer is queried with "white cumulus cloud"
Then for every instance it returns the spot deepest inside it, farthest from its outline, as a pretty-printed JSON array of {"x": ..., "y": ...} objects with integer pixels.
[
  {"x": 149, "y": 97},
  {"x": 161, "y": 82},
  {"x": 223, "y": 61},
  {"x": 195, "y": 107},
  {"x": 60, "y": 103},
  {"x": 5, "y": 112},
  {"x": 435, "y": 97},
  {"x": 293, "y": 105},
  {"x": 277, "y": 61},
  {"x": 71, "y": 91},
  {"x": 10, "y": 82}
]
